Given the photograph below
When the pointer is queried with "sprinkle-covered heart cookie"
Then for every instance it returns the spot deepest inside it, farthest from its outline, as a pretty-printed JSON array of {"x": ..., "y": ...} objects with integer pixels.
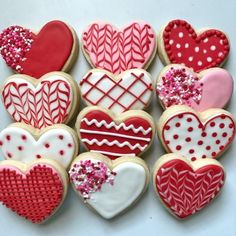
[
  {"x": 196, "y": 135},
  {"x": 24, "y": 143},
  {"x": 108, "y": 187},
  {"x": 33, "y": 191},
  {"x": 179, "y": 85},
  {"x": 179, "y": 43},
  {"x": 52, "y": 99},
  {"x": 54, "y": 48},
  {"x": 187, "y": 187},
  {"x": 130, "y": 90},
  {"x": 128, "y": 134},
  {"x": 109, "y": 48}
]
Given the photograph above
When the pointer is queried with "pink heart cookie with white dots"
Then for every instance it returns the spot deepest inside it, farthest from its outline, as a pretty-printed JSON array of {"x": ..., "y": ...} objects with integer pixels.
[
  {"x": 196, "y": 135},
  {"x": 179, "y": 43},
  {"x": 179, "y": 85}
]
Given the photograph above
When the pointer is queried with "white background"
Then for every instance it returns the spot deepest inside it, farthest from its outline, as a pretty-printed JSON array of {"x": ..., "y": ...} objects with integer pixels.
[{"x": 148, "y": 217}]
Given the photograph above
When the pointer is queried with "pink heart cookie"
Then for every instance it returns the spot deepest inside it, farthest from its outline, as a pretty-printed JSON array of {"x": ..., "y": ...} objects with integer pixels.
[{"x": 179, "y": 85}]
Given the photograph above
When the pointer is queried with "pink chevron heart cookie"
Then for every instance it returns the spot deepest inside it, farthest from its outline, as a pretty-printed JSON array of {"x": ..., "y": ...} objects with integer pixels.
[
  {"x": 127, "y": 134},
  {"x": 196, "y": 135},
  {"x": 109, "y": 48},
  {"x": 130, "y": 90},
  {"x": 187, "y": 187},
  {"x": 52, "y": 99},
  {"x": 179, "y": 85}
]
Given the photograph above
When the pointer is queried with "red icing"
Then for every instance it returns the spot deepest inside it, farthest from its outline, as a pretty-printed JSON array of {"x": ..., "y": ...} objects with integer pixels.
[
  {"x": 34, "y": 195},
  {"x": 183, "y": 45},
  {"x": 185, "y": 191}
]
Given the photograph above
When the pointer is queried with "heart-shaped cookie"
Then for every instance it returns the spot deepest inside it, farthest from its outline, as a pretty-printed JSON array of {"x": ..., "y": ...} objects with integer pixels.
[
  {"x": 52, "y": 99},
  {"x": 129, "y": 134},
  {"x": 179, "y": 85},
  {"x": 130, "y": 90},
  {"x": 109, "y": 48},
  {"x": 109, "y": 187},
  {"x": 54, "y": 48},
  {"x": 180, "y": 44},
  {"x": 196, "y": 135},
  {"x": 24, "y": 143},
  {"x": 187, "y": 187},
  {"x": 33, "y": 191}
]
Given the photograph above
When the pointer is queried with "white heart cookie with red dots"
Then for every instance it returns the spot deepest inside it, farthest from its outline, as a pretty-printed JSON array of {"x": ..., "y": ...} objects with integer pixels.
[
  {"x": 108, "y": 186},
  {"x": 196, "y": 135},
  {"x": 24, "y": 143}
]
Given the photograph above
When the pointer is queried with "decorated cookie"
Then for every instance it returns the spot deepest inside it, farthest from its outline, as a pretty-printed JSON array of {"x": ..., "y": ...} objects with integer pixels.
[
  {"x": 34, "y": 191},
  {"x": 196, "y": 135},
  {"x": 179, "y": 85},
  {"x": 52, "y": 99},
  {"x": 128, "y": 134},
  {"x": 24, "y": 143},
  {"x": 108, "y": 187},
  {"x": 130, "y": 90},
  {"x": 186, "y": 187},
  {"x": 114, "y": 50},
  {"x": 179, "y": 43},
  {"x": 53, "y": 48}
]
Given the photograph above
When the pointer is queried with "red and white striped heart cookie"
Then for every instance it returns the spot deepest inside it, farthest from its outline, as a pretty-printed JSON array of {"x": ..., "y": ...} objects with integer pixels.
[
  {"x": 187, "y": 187},
  {"x": 129, "y": 134}
]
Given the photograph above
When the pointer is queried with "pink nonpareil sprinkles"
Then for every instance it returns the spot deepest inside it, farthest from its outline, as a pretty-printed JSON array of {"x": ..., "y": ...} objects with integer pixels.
[
  {"x": 15, "y": 42},
  {"x": 89, "y": 176},
  {"x": 179, "y": 87}
]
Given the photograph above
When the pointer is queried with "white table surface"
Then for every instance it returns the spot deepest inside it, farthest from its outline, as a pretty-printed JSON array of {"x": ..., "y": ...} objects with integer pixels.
[{"x": 148, "y": 217}]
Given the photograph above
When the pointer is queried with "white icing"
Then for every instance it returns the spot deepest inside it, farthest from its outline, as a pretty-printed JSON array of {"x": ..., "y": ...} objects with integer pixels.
[
  {"x": 32, "y": 147},
  {"x": 178, "y": 45},
  {"x": 181, "y": 34},
  {"x": 186, "y": 45},
  {"x": 196, "y": 49},
  {"x": 209, "y": 59},
  {"x": 213, "y": 48}
]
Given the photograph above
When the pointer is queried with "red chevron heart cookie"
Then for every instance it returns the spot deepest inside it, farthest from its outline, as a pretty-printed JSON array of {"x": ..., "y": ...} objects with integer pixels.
[
  {"x": 50, "y": 50},
  {"x": 128, "y": 134},
  {"x": 115, "y": 50},
  {"x": 34, "y": 192},
  {"x": 185, "y": 188},
  {"x": 180, "y": 44}
]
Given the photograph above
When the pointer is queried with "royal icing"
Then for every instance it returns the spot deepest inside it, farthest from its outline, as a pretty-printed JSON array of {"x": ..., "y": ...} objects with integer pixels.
[
  {"x": 182, "y": 45},
  {"x": 34, "y": 195},
  {"x": 48, "y": 103},
  {"x": 110, "y": 192},
  {"x": 132, "y": 90},
  {"x": 178, "y": 85},
  {"x": 186, "y": 191},
  {"x": 186, "y": 134},
  {"x": 36, "y": 55},
  {"x": 57, "y": 143},
  {"x": 119, "y": 50},
  {"x": 100, "y": 133}
]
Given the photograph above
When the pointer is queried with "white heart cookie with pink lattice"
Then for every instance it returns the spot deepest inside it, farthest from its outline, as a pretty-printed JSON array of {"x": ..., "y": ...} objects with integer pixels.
[
  {"x": 130, "y": 90},
  {"x": 196, "y": 135}
]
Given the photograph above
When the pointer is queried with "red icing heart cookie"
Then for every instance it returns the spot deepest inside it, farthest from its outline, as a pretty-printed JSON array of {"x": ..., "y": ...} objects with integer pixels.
[
  {"x": 129, "y": 134},
  {"x": 187, "y": 187},
  {"x": 196, "y": 135},
  {"x": 34, "y": 192},
  {"x": 52, "y": 99},
  {"x": 180, "y": 44},
  {"x": 54, "y": 48},
  {"x": 109, "y": 48}
]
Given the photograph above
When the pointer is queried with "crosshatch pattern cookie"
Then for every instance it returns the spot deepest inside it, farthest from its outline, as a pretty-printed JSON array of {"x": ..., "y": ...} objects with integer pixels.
[
  {"x": 108, "y": 187},
  {"x": 128, "y": 134},
  {"x": 179, "y": 85},
  {"x": 187, "y": 187},
  {"x": 180, "y": 44},
  {"x": 130, "y": 90},
  {"x": 114, "y": 50},
  {"x": 54, "y": 48},
  {"x": 196, "y": 135}
]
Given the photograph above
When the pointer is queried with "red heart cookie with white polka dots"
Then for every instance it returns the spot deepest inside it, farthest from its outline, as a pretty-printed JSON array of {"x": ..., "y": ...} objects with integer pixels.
[
  {"x": 196, "y": 135},
  {"x": 180, "y": 44}
]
